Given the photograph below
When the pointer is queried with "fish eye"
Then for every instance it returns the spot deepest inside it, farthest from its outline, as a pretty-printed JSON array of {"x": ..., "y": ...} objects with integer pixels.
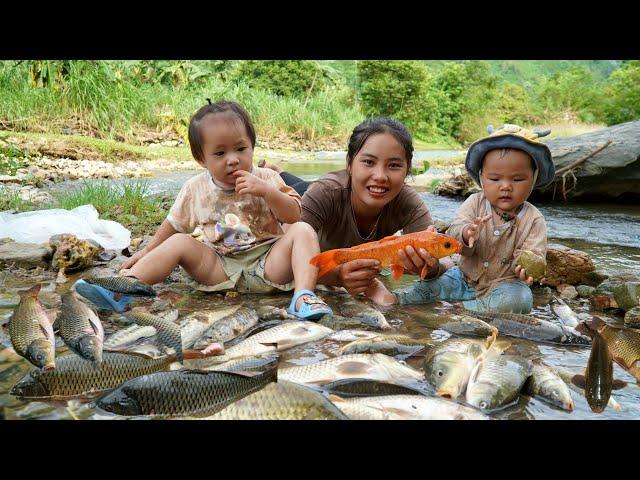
[
  {"x": 439, "y": 373},
  {"x": 39, "y": 357},
  {"x": 447, "y": 244},
  {"x": 483, "y": 405}
]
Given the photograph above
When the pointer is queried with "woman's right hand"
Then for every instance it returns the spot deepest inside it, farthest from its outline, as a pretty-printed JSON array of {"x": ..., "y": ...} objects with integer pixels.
[
  {"x": 357, "y": 275},
  {"x": 134, "y": 258}
]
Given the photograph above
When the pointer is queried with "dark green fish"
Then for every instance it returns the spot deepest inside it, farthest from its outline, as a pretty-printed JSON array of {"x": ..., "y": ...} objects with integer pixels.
[
  {"x": 76, "y": 376},
  {"x": 168, "y": 332},
  {"x": 121, "y": 284},
  {"x": 185, "y": 392},
  {"x": 80, "y": 328},
  {"x": 363, "y": 387},
  {"x": 31, "y": 331}
]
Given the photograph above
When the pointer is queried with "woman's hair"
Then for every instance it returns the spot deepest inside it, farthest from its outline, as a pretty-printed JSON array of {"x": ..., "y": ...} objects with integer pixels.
[
  {"x": 375, "y": 125},
  {"x": 221, "y": 106}
]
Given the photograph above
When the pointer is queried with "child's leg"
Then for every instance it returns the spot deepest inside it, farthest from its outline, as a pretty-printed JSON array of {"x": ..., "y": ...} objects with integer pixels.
[
  {"x": 512, "y": 297},
  {"x": 448, "y": 286},
  {"x": 199, "y": 260},
  {"x": 289, "y": 257}
]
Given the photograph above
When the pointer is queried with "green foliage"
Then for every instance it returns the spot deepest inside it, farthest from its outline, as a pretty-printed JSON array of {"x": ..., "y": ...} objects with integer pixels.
[
  {"x": 622, "y": 94},
  {"x": 289, "y": 78},
  {"x": 400, "y": 89},
  {"x": 11, "y": 200}
]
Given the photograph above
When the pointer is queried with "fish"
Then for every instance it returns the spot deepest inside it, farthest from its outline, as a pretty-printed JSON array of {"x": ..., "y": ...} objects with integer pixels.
[
  {"x": 364, "y": 387},
  {"x": 465, "y": 325},
  {"x": 75, "y": 376},
  {"x": 276, "y": 339},
  {"x": 545, "y": 383},
  {"x": 122, "y": 284},
  {"x": 247, "y": 364},
  {"x": 31, "y": 331},
  {"x": 128, "y": 335},
  {"x": 576, "y": 383},
  {"x": 80, "y": 328},
  {"x": 386, "y": 251},
  {"x": 448, "y": 366},
  {"x": 391, "y": 345},
  {"x": 532, "y": 328},
  {"x": 374, "y": 366},
  {"x": 358, "y": 411},
  {"x": 564, "y": 312},
  {"x": 185, "y": 392},
  {"x": 623, "y": 344},
  {"x": 281, "y": 401},
  {"x": 496, "y": 381},
  {"x": 355, "y": 309},
  {"x": 228, "y": 328},
  {"x": 168, "y": 332},
  {"x": 195, "y": 324},
  {"x": 415, "y": 407},
  {"x": 351, "y": 335}
]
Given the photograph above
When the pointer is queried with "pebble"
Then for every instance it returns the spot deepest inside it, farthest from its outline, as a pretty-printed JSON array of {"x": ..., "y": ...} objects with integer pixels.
[
  {"x": 567, "y": 292},
  {"x": 632, "y": 318},
  {"x": 585, "y": 291}
]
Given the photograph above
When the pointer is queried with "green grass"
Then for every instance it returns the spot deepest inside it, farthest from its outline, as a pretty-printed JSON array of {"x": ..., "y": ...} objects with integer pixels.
[
  {"x": 10, "y": 200},
  {"x": 129, "y": 204}
]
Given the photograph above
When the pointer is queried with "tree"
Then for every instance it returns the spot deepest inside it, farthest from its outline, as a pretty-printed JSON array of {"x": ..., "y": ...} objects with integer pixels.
[
  {"x": 289, "y": 78},
  {"x": 622, "y": 93}
]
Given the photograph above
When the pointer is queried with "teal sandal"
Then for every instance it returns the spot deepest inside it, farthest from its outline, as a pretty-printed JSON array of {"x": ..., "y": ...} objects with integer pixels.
[{"x": 307, "y": 312}]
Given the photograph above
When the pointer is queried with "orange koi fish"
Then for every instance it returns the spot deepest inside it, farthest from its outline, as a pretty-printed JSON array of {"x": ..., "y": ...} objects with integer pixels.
[{"x": 386, "y": 251}]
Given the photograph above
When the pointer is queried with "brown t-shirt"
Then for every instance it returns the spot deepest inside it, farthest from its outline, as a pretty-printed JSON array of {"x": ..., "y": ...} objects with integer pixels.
[
  {"x": 493, "y": 257},
  {"x": 326, "y": 206}
]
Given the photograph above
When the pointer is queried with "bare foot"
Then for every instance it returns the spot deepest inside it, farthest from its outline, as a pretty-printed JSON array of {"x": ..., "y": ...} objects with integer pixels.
[
  {"x": 379, "y": 294},
  {"x": 273, "y": 166}
]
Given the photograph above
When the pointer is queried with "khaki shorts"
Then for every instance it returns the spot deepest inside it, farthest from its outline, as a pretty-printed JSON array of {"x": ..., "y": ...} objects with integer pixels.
[{"x": 246, "y": 273}]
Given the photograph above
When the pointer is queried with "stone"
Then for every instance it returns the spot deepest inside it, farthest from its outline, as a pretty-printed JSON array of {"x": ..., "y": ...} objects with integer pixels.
[
  {"x": 610, "y": 283},
  {"x": 603, "y": 302},
  {"x": 337, "y": 322},
  {"x": 533, "y": 264},
  {"x": 26, "y": 255},
  {"x": 585, "y": 291},
  {"x": 567, "y": 265},
  {"x": 568, "y": 292},
  {"x": 627, "y": 295},
  {"x": 632, "y": 318}
]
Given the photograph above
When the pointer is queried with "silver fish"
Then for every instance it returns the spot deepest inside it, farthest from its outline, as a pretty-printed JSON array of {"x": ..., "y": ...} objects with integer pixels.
[
  {"x": 564, "y": 312},
  {"x": 496, "y": 381},
  {"x": 351, "y": 308},
  {"x": 227, "y": 328},
  {"x": 351, "y": 335},
  {"x": 546, "y": 384},
  {"x": 195, "y": 324},
  {"x": 128, "y": 335}
]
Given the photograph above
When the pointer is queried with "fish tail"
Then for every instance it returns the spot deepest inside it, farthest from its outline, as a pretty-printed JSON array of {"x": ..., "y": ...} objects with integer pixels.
[{"x": 325, "y": 262}]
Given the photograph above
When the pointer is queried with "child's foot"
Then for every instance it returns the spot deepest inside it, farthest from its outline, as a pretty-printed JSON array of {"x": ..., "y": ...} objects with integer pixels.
[
  {"x": 379, "y": 294},
  {"x": 103, "y": 299},
  {"x": 277, "y": 168},
  {"x": 306, "y": 305}
]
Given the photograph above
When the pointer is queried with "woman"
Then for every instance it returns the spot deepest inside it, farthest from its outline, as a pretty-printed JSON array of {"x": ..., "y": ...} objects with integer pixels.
[{"x": 367, "y": 201}]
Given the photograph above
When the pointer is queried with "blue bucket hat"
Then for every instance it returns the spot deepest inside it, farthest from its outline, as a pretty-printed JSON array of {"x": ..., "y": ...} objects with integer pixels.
[{"x": 513, "y": 136}]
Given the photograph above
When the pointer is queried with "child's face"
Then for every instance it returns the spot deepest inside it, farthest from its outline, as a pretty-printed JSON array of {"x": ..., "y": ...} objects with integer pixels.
[
  {"x": 507, "y": 180},
  {"x": 226, "y": 147},
  {"x": 378, "y": 171}
]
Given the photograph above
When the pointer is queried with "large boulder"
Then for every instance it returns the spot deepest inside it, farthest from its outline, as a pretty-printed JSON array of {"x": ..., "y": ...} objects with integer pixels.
[
  {"x": 26, "y": 255},
  {"x": 627, "y": 295},
  {"x": 569, "y": 266}
]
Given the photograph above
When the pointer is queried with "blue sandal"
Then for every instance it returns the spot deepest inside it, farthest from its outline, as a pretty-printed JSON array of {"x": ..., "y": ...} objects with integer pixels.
[
  {"x": 101, "y": 297},
  {"x": 307, "y": 312}
]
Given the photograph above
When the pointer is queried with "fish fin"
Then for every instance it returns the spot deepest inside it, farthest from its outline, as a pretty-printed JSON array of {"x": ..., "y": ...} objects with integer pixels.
[
  {"x": 48, "y": 333},
  {"x": 271, "y": 344},
  {"x": 334, "y": 398},
  {"x": 618, "y": 384},
  {"x": 32, "y": 292},
  {"x": 195, "y": 354},
  {"x": 579, "y": 381},
  {"x": 397, "y": 271},
  {"x": 620, "y": 361},
  {"x": 376, "y": 242},
  {"x": 325, "y": 262}
]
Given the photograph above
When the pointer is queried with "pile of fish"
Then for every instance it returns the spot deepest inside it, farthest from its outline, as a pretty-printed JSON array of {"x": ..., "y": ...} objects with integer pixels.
[{"x": 225, "y": 363}]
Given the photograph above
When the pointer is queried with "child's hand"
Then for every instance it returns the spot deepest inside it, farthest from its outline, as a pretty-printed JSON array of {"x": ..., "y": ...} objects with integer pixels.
[
  {"x": 134, "y": 258},
  {"x": 470, "y": 233},
  {"x": 248, "y": 184},
  {"x": 523, "y": 275}
]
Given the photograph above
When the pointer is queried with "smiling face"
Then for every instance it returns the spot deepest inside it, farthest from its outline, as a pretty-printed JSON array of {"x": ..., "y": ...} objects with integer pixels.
[
  {"x": 377, "y": 173},
  {"x": 507, "y": 178},
  {"x": 226, "y": 147}
]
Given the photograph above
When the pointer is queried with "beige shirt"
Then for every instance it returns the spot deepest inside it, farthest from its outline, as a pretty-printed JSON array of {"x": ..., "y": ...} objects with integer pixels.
[
  {"x": 493, "y": 257},
  {"x": 231, "y": 223},
  {"x": 326, "y": 206}
]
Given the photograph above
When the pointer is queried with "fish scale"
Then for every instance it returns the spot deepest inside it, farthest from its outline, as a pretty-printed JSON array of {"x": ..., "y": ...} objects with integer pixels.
[
  {"x": 77, "y": 321},
  {"x": 168, "y": 332},
  {"x": 128, "y": 335},
  {"x": 624, "y": 345},
  {"x": 75, "y": 376},
  {"x": 185, "y": 392},
  {"x": 228, "y": 328},
  {"x": 545, "y": 383},
  {"x": 418, "y": 407},
  {"x": 122, "y": 284},
  {"x": 496, "y": 381},
  {"x": 389, "y": 345}
]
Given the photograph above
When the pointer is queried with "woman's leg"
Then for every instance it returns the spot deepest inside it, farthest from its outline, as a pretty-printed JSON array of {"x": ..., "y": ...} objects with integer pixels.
[
  {"x": 199, "y": 260},
  {"x": 512, "y": 297}
]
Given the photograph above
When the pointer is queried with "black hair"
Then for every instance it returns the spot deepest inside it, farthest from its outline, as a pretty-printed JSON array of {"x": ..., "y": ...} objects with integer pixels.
[
  {"x": 505, "y": 151},
  {"x": 375, "y": 125},
  {"x": 221, "y": 106}
]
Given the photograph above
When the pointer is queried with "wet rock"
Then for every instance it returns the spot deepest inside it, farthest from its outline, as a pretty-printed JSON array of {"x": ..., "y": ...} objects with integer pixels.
[
  {"x": 627, "y": 295},
  {"x": 26, "y": 255},
  {"x": 568, "y": 266},
  {"x": 567, "y": 292},
  {"x": 585, "y": 291},
  {"x": 337, "y": 322},
  {"x": 603, "y": 302},
  {"x": 613, "y": 281},
  {"x": 460, "y": 185},
  {"x": 632, "y": 318},
  {"x": 441, "y": 226}
]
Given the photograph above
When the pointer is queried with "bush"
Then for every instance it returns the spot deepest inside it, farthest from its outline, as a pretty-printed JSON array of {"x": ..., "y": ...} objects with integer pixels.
[
  {"x": 399, "y": 89},
  {"x": 623, "y": 94},
  {"x": 289, "y": 78}
]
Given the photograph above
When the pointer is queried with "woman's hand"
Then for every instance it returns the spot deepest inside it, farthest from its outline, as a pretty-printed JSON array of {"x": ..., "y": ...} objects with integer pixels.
[
  {"x": 134, "y": 258},
  {"x": 357, "y": 275}
]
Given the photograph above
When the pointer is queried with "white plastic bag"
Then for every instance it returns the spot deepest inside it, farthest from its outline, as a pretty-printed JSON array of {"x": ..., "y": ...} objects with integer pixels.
[{"x": 83, "y": 222}]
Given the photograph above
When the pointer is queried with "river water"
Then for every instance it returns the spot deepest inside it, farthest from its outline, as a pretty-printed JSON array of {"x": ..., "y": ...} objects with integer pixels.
[{"x": 610, "y": 233}]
